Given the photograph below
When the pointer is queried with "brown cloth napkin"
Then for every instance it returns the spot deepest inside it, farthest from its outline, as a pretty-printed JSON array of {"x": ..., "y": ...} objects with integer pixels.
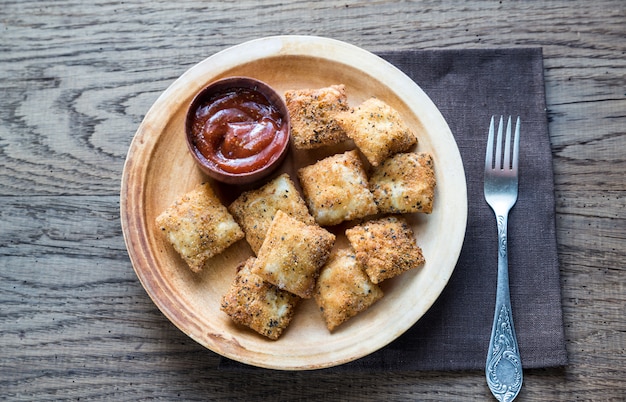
[{"x": 468, "y": 87}]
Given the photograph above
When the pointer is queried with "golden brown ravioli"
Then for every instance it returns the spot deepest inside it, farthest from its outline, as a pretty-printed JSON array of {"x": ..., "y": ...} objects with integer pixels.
[
  {"x": 257, "y": 304},
  {"x": 404, "y": 183},
  {"x": 377, "y": 129},
  {"x": 198, "y": 226},
  {"x": 385, "y": 247},
  {"x": 292, "y": 254},
  {"x": 312, "y": 115},
  {"x": 255, "y": 209},
  {"x": 336, "y": 189},
  {"x": 343, "y": 289}
]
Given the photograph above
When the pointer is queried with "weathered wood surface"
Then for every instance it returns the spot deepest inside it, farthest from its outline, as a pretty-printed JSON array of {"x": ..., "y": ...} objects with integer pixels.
[{"x": 76, "y": 79}]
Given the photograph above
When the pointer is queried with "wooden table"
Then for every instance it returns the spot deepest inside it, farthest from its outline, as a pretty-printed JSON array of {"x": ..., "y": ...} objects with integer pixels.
[{"x": 77, "y": 79}]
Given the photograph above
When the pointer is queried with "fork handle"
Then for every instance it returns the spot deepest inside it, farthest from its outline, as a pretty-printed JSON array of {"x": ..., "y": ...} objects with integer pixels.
[{"x": 504, "y": 365}]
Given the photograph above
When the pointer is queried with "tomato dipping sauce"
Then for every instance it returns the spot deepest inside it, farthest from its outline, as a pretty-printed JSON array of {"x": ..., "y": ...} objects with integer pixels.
[{"x": 238, "y": 129}]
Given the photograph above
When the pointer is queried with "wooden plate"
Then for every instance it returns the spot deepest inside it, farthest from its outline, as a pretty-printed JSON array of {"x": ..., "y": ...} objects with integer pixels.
[{"x": 159, "y": 169}]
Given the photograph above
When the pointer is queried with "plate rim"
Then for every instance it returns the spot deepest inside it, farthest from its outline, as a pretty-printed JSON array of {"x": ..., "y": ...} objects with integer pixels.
[{"x": 283, "y": 45}]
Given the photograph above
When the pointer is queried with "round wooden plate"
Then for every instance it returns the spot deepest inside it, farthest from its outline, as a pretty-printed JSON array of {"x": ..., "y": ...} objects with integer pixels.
[{"x": 159, "y": 169}]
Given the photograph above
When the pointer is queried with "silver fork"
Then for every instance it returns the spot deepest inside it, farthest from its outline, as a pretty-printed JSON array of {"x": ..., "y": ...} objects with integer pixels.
[{"x": 504, "y": 365}]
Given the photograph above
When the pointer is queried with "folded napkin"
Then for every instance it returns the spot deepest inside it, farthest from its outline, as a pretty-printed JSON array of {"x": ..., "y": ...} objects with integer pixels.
[{"x": 468, "y": 87}]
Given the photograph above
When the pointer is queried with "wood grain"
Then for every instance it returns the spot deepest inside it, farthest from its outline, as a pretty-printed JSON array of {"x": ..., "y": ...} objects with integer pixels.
[{"x": 77, "y": 79}]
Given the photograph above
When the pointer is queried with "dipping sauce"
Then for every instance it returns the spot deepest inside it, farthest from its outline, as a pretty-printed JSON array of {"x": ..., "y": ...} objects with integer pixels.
[{"x": 238, "y": 130}]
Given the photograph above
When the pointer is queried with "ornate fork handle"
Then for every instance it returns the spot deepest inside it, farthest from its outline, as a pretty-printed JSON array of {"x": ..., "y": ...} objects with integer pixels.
[{"x": 504, "y": 365}]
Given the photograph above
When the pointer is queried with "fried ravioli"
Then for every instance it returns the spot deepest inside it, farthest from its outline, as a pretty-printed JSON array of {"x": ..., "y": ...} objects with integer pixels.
[
  {"x": 292, "y": 254},
  {"x": 255, "y": 209},
  {"x": 377, "y": 130},
  {"x": 385, "y": 247},
  {"x": 312, "y": 112},
  {"x": 404, "y": 183},
  {"x": 198, "y": 226},
  {"x": 336, "y": 189},
  {"x": 257, "y": 304},
  {"x": 343, "y": 289}
]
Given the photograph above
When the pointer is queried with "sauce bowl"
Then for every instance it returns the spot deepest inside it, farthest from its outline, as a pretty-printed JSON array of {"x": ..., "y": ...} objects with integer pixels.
[{"x": 237, "y": 130}]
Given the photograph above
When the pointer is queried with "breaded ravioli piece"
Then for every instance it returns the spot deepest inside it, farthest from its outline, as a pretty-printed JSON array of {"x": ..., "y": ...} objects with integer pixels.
[
  {"x": 336, "y": 189},
  {"x": 404, "y": 183},
  {"x": 199, "y": 226},
  {"x": 292, "y": 254},
  {"x": 255, "y": 209},
  {"x": 312, "y": 114},
  {"x": 343, "y": 289},
  {"x": 257, "y": 304},
  {"x": 377, "y": 129},
  {"x": 385, "y": 247}
]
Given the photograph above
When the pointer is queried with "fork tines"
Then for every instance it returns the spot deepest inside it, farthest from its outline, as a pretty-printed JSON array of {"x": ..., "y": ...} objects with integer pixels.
[{"x": 499, "y": 162}]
